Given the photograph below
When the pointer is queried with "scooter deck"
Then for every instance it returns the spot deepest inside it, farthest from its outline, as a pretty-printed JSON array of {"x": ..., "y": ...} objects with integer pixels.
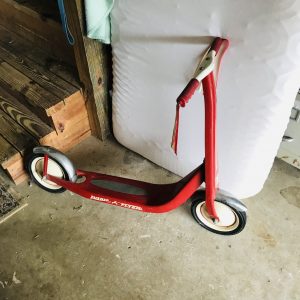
[{"x": 133, "y": 194}]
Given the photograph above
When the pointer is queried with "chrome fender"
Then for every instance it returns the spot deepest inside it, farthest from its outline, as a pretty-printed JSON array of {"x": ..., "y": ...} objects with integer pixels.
[
  {"x": 238, "y": 205},
  {"x": 223, "y": 197},
  {"x": 61, "y": 158}
]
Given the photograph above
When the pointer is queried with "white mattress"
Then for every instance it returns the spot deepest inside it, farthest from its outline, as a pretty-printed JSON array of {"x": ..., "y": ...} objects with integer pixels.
[{"x": 157, "y": 45}]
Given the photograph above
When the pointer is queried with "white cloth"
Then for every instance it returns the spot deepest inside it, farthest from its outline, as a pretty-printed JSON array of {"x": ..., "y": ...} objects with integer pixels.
[{"x": 156, "y": 48}]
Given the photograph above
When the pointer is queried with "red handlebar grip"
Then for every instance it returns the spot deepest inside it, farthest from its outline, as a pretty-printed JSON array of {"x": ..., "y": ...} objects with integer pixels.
[
  {"x": 217, "y": 43},
  {"x": 188, "y": 92}
]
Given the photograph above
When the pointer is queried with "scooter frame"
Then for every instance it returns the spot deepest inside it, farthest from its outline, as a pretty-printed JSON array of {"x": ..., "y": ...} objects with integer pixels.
[{"x": 156, "y": 198}]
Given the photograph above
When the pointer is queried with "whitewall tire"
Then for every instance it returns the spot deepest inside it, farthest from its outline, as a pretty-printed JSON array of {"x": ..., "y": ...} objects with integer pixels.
[
  {"x": 232, "y": 219},
  {"x": 34, "y": 166}
]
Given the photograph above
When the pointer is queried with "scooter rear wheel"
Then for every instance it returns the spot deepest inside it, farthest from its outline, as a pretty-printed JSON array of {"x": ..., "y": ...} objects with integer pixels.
[
  {"x": 34, "y": 166},
  {"x": 232, "y": 219}
]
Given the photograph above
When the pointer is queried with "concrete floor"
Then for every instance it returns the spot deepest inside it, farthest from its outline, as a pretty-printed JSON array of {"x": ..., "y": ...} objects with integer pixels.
[{"x": 65, "y": 247}]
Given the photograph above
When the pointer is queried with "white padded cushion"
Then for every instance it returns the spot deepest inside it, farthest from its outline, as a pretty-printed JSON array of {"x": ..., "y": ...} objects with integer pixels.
[{"x": 156, "y": 48}]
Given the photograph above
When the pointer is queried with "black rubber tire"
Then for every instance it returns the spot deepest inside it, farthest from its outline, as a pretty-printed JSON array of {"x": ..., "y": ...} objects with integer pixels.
[
  {"x": 199, "y": 197},
  {"x": 29, "y": 159}
]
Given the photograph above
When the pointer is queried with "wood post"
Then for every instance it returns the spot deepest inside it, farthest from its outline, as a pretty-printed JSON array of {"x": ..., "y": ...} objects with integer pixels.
[{"x": 93, "y": 64}]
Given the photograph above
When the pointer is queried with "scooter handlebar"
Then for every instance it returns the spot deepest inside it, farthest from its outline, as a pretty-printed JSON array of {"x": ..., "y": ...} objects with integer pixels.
[{"x": 188, "y": 92}]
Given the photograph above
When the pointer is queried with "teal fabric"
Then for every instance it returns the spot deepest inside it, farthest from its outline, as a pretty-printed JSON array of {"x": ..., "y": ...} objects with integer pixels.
[{"x": 98, "y": 19}]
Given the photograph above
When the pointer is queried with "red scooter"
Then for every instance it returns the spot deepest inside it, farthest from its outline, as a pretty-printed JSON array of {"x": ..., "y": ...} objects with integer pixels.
[{"x": 54, "y": 172}]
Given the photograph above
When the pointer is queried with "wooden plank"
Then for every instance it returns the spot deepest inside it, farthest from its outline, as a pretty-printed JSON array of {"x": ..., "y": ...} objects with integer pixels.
[
  {"x": 37, "y": 98},
  {"x": 14, "y": 134},
  {"x": 23, "y": 116},
  {"x": 12, "y": 161},
  {"x": 7, "y": 151},
  {"x": 64, "y": 142},
  {"x": 73, "y": 111},
  {"x": 39, "y": 74},
  {"x": 16, "y": 170},
  {"x": 72, "y": 141},
  {"x": 64, "y": 124},
  {"x": 69, "y": 138},
  {"x": 45, "y": 8},
  {"x": 77, "y": 128},
  {"x": 93, "y": 66},
  {"x": 23, "y": 48},
  {"x": 62, "y": 69},
  {"x": 42, "y": 32},
  {"x": 71, "y": 100}
]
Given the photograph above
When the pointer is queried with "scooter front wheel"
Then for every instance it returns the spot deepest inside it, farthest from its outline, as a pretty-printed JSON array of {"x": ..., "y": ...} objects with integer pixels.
[
  {"x": 231, "y": 212},
  {"x": 35, "y": 165}
]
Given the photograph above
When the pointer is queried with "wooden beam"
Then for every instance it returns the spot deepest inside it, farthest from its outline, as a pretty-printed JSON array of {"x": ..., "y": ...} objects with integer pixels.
[
  {"x": 69, "y": 138},
  {"x": 71, "y": 122},
  {"x": 15, "y": 135},
  {"x": 33, "y": 56},
  {"x": 22, "y": 115},
  {"x": 16, "y": 169},
  {"x": 74, "y": 110},
  {"x": 35, "y": 97},
  {"x": 45, "y": 8},
  {"x": 72, "y": 128},
  {"x": 7, "y": 152},
  {"x": 37, "y": 73},
  {"x": 92, "y": 64},
  {"x": 40, "y": 30}
]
